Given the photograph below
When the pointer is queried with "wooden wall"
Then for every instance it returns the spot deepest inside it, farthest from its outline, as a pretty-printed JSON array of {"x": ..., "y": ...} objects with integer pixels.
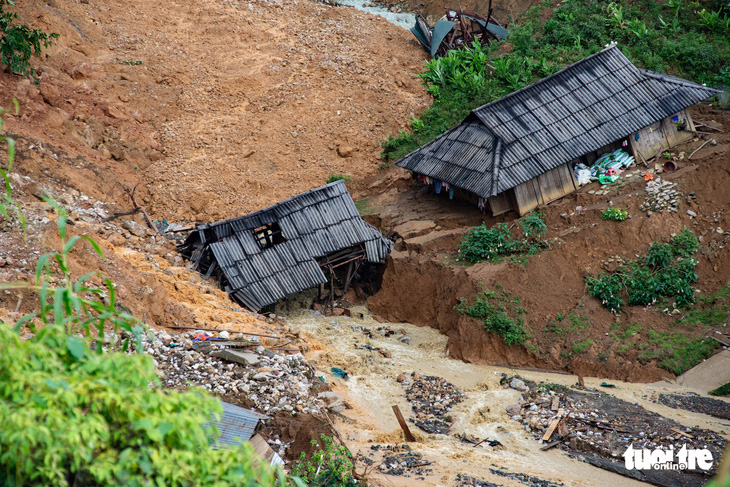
[
  {"x": 542, "y": 190},
  {"x": 661, "y": 136}
]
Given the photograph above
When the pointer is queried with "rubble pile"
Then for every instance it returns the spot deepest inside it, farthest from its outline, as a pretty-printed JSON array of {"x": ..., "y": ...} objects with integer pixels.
[
  {"x": 270, "y": 381},
  {"x": 661, "y": 196},
  {"x": 463, "y": 480},
  {"x": 523, "y": 478},
  {"x": 597, "y": 423},
  {"x": 696, "y": 403},
  {"x": 401, "y": 461},
  {"x": 431, "y": 399}
]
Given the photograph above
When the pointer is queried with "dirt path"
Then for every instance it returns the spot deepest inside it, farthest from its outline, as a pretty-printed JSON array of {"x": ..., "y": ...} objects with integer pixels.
[{"x": 372, "y": 389}]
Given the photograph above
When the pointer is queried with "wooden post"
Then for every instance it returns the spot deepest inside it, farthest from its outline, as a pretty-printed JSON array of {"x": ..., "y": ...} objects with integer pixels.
[{"x": 403, "y": 424}]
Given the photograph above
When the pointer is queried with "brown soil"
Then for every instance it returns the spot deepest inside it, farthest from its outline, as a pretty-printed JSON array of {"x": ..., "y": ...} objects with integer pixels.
[{"x": 422, "y": 283}]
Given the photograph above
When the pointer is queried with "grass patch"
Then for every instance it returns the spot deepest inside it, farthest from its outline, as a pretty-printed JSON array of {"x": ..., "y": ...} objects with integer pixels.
[
  {"x": 581, "y": 347},
  {"x": 364, "y": 207},
  {"x": 337, "y": 177},
  {"x": 499, "y": 313},
  {"x": 721, "y": 391},
  {"x": 676, "y": 352},
  {"x": 482, "y": 243},
  {"x": 667, "y": 270},
  {"x": 571, "y": 325},
  {"x": 712, "y": 310},
  {"x": 621, "y": 332}
]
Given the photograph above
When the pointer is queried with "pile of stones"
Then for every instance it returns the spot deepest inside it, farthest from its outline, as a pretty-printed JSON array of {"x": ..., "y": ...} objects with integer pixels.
[
  {"x": 661, "y": 195},
  {"x": 431, "y": 399}
]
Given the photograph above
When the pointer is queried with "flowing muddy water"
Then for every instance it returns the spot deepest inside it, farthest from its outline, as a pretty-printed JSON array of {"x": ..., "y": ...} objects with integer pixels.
[
  {"x": 372, "y": 390},
  {"x": 405, "y": 20}
]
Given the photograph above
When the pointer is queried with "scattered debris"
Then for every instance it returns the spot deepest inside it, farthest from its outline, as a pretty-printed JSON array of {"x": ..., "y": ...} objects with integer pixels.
[
  {"x": 463, "y": 480},
  {"x": 525, "y": 479},
  {"x": 601, "y": 427},
  {"x": 406, "y": 464},
  {"x": 696, "y": 403},
  {"x": 431, "y": 399}
]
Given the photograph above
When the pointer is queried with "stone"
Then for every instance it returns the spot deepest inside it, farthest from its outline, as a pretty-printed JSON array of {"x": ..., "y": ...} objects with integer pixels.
[
  {"x": 401, "y": 377},
  {"x": 236, "y": 356},
  {"x": 135, "y": 228},
  {"x": 116, "y": 240},
  {"x": 518, "y": 384},
  {"x": 224, "y": 335},
  {"x": 691, "y": 213},
  {"x": 345, "y": 151},
  {"x": 514, "y": 410}
]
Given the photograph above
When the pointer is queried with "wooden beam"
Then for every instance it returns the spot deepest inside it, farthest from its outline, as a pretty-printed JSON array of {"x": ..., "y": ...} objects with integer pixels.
[
  {"x": 216, "y": 329},
  {"x": 403, "y": 424}
]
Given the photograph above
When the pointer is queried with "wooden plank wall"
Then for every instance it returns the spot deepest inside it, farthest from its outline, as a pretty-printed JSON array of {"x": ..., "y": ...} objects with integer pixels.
[
  {"x": 542, "y": 190},
  {"x": 502, "y": 203},
  {"x": 674, "y": 136}
]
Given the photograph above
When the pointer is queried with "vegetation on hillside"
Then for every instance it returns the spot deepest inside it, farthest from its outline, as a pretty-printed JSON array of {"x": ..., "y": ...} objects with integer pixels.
[
  {"x": 667, "y": 271},
  {"x": 18, "y": 43},
  {"x": 689, "y": 38},
  {"x": 499, "y": 313},
  {"x": 482, "y": 243},
  {"x": 75, "y": 412}
]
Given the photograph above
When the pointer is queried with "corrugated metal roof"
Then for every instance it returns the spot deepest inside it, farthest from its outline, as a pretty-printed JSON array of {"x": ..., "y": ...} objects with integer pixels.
[
  {"x": 314, "y": 224},
  {"x": 577, "y": 110},
  {"x": 237, "y": 425}
]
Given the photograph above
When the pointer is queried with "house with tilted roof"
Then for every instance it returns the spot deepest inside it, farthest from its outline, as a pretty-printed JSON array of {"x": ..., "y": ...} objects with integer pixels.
[
  {"x": 517, "y": 152},
  {"x": 308, "y": 240}
]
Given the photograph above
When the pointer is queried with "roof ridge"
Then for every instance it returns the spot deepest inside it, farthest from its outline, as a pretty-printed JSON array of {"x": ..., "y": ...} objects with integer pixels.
[
  {"x": 673, "y": 79},
  {"x": 608, "y": 48}
]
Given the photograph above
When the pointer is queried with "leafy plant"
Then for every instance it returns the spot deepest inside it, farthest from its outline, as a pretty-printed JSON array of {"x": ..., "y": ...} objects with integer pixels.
[
  {"x": 330, "y": 466},
  {"x": 18, "y": 42},
  {"x": 666, "y": 271},
  {"x": 482, "y": 243},
  {"x": 616, "y": 214},
  {"x": 493, "y": 310},
  {"x": 7, "y": 204},
  {"x": 337, "y": 177},
  {"x": 723, "y": 390},
  {"x": 581, "y": 347}
]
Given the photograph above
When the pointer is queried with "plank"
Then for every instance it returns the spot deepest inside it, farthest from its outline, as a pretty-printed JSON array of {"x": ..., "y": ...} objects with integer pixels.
[
  {"x": 403, "y": 424},
  {"x": 551, "y": 429}
]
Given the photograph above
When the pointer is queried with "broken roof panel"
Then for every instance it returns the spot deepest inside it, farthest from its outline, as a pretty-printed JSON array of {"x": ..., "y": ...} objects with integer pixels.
[
  {"x": 313, "y": 225},
  {"x": 549, "y": 123},
  {"x": 237, "y": 425}
]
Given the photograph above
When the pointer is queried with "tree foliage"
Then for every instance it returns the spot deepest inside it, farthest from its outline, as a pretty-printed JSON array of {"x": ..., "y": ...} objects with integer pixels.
[{"x": 18, "y": 43}]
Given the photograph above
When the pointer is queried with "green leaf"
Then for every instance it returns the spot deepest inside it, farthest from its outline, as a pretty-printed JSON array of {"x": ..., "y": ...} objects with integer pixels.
[{"x": 75, "y": 346}]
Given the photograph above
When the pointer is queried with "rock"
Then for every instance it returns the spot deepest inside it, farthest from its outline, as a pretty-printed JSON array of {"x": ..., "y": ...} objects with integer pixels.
[
  {"x": 224, "y": 335},
  {"x": 691, "y": 213},
  {"x": 82, "y": 71},
  {"x": 116, "y": 240},
  {"x": 135, "y": 228},
  {"x": 239, "y": 357},
  {"x": 514, "y": 410},
  {"x": 345, "y": 151},
  {"x": 401, "y": 377},
  {"x": 518, "y": 384}
]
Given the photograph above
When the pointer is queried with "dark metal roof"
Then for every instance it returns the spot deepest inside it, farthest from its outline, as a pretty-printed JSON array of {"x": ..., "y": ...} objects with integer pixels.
[
  {"x": 315, "y": 224},
  {"x": 577, "y": 110},
  {"x": 237, "y": 425}
]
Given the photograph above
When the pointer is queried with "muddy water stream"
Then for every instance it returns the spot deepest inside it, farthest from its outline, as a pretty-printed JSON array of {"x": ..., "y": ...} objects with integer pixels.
[{"x": 372, "y": 390}]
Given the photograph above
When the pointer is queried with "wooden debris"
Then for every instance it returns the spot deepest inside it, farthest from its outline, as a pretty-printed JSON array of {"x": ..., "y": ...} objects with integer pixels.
[
  {"x": 403, "y": 424},
  {"x": 581, "y": 383},
  {"x": 700, "y": 147},
  {"x": 555, "y": 404},
  {"x": 229, "y": 331},
  {"x": 682, "y": 433},
  {"x": 551, "y": 429}
]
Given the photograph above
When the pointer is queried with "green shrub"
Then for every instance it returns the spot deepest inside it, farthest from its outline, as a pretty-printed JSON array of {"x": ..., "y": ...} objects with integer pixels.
[
  {"x": 330, "y": 466},
  {"x": 493, "y": 310},
  {"x": 18, "y": 42},
  {"x": 677, "y": 352},
  {"x": 666, "y": 271},
  {"x": 616, "y": 214},
  {"x": 581, "y": 347},
  {"x": 723, "y": 390},
  {"x": 482, "y": 243},
  {"x": 337, "y": 177}
]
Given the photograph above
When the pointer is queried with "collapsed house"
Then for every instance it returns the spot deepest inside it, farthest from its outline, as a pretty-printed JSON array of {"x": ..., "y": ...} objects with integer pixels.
[
  {"x": 516, "y": 153},
  {"x": 300, "y": 243},
  {"x": 237, "y": 426},
  {"x": 457, "y": 29}
]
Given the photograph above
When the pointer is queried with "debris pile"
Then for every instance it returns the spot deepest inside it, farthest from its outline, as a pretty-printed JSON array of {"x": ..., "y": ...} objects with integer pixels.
[
  {"x": 270, "y": 381},
  {"x": 599, "y": 424},
  {"x": 661, "y": 196},
  {"x": 402, "y": 461},
  {"x": 431, "y": 399},
  {"x": 696, "y": 403},
  {"x": 523, "y": 478},
  {"x": 463, "y": 480}
]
